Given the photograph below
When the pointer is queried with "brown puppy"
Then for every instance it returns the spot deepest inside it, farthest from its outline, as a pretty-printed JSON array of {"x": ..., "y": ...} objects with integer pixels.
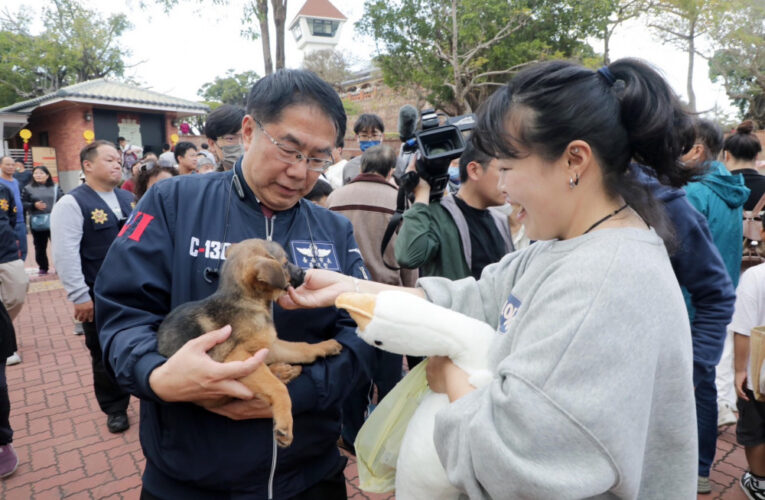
[{"x": 256, "y": 273}]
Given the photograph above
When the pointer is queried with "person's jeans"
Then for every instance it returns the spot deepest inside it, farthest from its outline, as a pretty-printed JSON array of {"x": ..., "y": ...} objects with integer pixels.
[
  {"x": 40, "y": 239},
  {"x": 21, "y": 234},
  {"x": 706, "y": 419}
]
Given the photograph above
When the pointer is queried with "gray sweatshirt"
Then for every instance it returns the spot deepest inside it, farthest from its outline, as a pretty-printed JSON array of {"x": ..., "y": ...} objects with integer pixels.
[{"x": 593, "y": 392}]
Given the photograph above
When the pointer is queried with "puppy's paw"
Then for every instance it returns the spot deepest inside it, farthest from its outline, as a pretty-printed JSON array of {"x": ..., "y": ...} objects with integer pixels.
[
  {"x": 285, "y": 372},
  {"x": 283, "y": 435},
  {"x": 329, "y": 348}
]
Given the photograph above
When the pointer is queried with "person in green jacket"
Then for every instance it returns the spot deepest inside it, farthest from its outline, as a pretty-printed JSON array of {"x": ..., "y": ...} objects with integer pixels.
[
  {"x": 719, "y": 196},
  {"x": 459, "y": 235}
]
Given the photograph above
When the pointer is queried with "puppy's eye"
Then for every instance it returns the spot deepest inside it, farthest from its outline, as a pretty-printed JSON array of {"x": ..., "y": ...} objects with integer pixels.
[{"x": 377, "y": 342}]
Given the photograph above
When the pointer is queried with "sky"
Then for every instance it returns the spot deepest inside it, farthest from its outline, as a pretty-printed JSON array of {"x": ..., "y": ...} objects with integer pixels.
[{"x": 176, "y": 53}]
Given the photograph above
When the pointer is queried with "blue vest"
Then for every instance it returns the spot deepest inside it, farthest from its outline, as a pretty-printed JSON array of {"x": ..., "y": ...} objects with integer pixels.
[{"x": 100, "y": 227}]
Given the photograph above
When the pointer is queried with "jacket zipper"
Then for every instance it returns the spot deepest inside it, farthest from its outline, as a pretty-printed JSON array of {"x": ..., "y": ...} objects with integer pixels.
[
  {"x": 270, "y": 237},
  {"x": 270, "y": 231}
]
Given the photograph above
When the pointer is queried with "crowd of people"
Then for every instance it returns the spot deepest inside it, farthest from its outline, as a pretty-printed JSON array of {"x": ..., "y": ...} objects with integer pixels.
[{"x": 590, "y": 220}]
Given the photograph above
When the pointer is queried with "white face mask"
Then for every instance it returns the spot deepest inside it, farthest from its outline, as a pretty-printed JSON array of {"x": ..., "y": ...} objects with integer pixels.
[{"x": 230, "y": 155}]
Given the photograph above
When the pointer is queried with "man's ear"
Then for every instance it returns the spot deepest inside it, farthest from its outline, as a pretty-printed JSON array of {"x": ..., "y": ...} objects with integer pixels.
[
  {"x": 249, "y": 131},
  {"x": 474, "y": 170}
]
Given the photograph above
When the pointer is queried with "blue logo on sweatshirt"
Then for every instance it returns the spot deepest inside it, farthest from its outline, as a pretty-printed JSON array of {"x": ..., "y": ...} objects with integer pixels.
[
  {"x": 508, "y": 313},
  {"x": 316, "y": 255}
]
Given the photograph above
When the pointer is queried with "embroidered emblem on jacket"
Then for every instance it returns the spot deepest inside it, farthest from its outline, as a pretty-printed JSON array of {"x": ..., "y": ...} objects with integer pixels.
[
  {"x": 320, "y": 255},
  {"x": 4, "y": 204},
  {"x": 98, "y": 216}
]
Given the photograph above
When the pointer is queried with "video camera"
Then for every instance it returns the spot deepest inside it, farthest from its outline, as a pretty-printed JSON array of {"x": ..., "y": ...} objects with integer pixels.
[{"x": 435, "y": 146}]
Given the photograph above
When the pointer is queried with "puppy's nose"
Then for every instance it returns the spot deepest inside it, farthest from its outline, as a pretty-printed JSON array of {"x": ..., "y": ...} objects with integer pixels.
[{"x": 297, "y": 275}]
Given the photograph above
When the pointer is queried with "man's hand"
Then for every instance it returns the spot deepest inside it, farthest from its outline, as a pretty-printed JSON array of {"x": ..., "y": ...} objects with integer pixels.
[
  {"x": 740, "y": 383},
  {"x": 422, "y": 191},
  {"x": 319, "y": 289},
  {"x": 191, "y": 375},
  {"x": 84, "y": 312}
]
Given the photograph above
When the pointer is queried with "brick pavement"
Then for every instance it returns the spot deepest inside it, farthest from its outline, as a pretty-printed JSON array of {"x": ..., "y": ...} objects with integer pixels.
[{"x": 60, "y": 434}]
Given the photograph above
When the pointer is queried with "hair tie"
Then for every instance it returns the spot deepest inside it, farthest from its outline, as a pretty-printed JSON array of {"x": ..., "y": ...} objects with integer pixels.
[{"x": 606, "y": 73}]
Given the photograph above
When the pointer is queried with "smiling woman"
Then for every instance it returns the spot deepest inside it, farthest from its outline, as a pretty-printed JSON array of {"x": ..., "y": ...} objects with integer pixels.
[{"x": 591, "y": 396}]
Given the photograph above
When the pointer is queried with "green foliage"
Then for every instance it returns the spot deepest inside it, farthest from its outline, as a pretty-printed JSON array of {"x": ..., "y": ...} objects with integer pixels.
[
  {"x": 351, "y": 108},
  {"x": 231, "y": 89},
  {"x": 458, "y": 62},
  {"x": 739, "y": 61},
  {"x": 76, "y": 45}
]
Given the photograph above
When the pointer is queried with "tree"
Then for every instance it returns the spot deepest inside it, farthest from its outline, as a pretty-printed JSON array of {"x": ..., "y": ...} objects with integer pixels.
[
  {"x": 620, "y": 12},
  {"x": 683, "y": 23},
  {"x": 231, "y": 89},
  {"x": 76, "y": 45},
  {"x": 332, "y": 66},
  {"x": 457, "y": 51},
  {"x": 739, "y": 60},
  {"x": 257, "y": 10}
]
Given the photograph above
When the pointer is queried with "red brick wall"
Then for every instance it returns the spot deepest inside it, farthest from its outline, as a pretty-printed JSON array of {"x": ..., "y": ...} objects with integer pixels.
[{"x": 64, "y": 123}]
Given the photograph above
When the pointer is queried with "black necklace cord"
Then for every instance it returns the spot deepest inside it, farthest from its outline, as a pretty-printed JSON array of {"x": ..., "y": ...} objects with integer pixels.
[{"x": 604, "y": 219}]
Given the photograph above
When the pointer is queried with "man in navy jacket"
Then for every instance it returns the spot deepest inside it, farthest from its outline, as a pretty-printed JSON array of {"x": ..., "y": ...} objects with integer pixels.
[{"x": 171, "y": 251}]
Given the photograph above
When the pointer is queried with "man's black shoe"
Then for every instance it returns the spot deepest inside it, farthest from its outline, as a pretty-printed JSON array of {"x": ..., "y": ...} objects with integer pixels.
[{"x": 117, "y": 422}]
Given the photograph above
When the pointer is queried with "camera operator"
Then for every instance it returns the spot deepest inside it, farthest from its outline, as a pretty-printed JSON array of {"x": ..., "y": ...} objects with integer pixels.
[{"x": 459, "y": 235}]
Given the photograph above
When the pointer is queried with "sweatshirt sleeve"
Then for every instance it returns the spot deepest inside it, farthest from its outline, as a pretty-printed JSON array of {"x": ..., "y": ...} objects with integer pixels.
[
  {"x": 128, "y": 317},
  {"x": 26, "y": 200},
  {"x": 65, "y": 235},
  {"x": 417, "y": 241},
  {"x": 701, "y": 271},
  {"x": 324, "y": 384}
]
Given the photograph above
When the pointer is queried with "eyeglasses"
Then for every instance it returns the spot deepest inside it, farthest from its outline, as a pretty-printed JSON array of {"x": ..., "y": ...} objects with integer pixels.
[
  {"x": 292, "y": 156},
  {"x": 376, "y": 136}
]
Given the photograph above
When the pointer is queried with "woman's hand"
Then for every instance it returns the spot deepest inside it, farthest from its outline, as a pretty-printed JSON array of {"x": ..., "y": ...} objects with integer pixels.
[
  {"x": 444, "y": 377},
  {"x": 319, "y": 289},
  {"x": 41, "y": 205}
]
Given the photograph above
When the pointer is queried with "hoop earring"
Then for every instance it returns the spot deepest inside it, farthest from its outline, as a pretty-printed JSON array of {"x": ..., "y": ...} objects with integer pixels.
[{"x": 572, "y": 183}]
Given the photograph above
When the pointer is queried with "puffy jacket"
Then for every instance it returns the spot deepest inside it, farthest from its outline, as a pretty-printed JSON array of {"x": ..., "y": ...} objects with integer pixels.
[{"x": 175, "y": 239}]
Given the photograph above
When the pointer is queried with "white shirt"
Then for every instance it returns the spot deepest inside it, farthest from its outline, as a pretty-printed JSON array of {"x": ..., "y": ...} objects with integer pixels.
[{"x": 750, "y": 306}]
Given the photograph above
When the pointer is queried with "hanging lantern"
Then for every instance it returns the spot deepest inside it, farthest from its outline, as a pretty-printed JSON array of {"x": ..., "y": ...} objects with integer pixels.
[
  {"x": 25, "y": 135},
  {"x": 174, "y": 139},
  {"x": 88, "y": 135}
]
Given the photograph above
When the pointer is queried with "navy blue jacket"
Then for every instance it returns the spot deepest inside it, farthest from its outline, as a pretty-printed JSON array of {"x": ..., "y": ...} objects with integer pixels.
[
  {"x": 700, "y": 270},
  {"x": 181, "y": 227},
  {"x": 9, "y": 248}
]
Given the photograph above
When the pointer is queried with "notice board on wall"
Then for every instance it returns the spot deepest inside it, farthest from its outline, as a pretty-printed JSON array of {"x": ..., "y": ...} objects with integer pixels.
[{"x": 45, "y": 157}]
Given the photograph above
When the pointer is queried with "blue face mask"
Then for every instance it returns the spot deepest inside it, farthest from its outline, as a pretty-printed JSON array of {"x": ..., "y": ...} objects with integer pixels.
[
  {"x": 364, "y": 145},
  {"x": 454, "y": 174}
]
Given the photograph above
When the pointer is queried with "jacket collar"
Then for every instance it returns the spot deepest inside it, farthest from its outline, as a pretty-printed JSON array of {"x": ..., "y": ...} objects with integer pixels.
[{"x": 372, "y": 178}]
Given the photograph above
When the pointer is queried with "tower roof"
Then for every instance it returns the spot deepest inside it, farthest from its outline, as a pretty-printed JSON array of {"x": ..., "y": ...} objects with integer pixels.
[{"x": 319, "y": 8}]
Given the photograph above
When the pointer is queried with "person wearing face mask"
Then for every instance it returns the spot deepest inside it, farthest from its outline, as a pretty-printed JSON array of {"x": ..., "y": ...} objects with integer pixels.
[
  {"x": 223, "y": 130},
  {"x": 369, "y": 130}
]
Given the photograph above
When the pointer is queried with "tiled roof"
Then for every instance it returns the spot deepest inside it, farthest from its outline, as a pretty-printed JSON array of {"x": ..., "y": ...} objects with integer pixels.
[
  {"x": 111, "y": 92},
  {"x": 319, "y": 8}
]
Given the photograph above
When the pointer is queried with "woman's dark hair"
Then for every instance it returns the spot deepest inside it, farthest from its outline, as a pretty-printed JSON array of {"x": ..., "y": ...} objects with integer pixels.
[
  {"x": 48, "y": 181},
  {"x": 710, "y": 135},
  {"x": 142, "y": 182},
  {"x": 625, "y": 111},
  {"x": 743, "y": 144},
  {"x": 272, "y": 94}
]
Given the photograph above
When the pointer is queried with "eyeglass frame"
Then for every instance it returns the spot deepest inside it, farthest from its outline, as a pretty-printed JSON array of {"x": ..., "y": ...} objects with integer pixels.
[{"x": 299, "y": 156}]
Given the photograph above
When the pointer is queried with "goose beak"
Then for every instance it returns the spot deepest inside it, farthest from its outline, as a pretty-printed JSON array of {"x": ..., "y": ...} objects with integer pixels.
[{"x": 361, "y": 307}]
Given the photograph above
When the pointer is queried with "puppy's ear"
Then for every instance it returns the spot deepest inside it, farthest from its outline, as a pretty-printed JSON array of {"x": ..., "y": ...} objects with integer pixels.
[
  {"x": 228, "y": 252},
  {"x": 268, "y": 272}
]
